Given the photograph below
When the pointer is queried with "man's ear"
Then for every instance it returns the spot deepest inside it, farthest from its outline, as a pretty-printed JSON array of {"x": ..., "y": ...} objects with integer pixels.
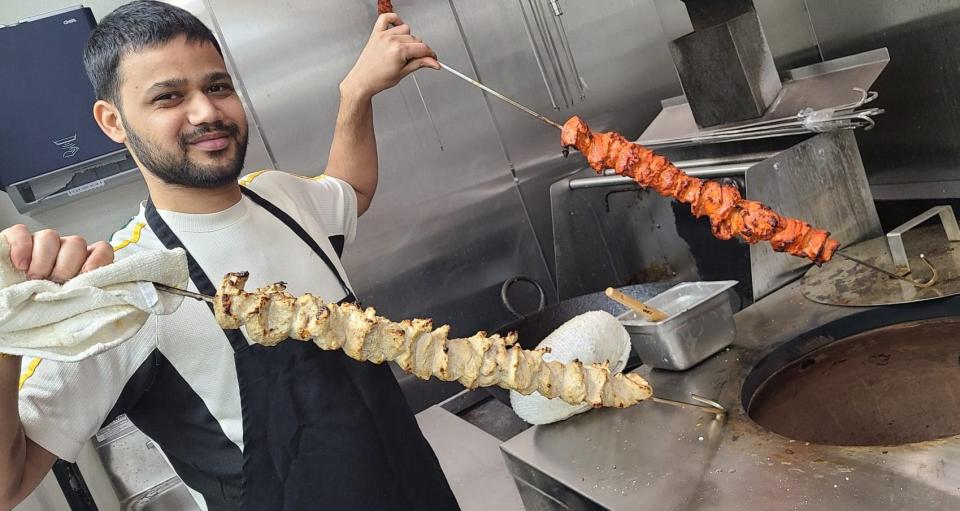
[{"x": 108, "y": 117}]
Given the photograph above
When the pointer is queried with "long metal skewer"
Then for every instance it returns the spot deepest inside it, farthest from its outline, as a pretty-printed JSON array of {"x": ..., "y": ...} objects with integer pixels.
[
  {"x": 496, "y": 94},
  {"x": 536, "y": 56},
  {"x": 182, "y": 292},
  {"x": 926, "y": 284},
  {"x": 710, "y": 407},
  {"x": 426, "y": 109}
]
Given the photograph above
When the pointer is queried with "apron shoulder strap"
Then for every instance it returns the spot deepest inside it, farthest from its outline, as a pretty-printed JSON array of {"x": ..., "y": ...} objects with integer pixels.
[
  {"x": 171, "y": 241},
  {"x": 300, "y": 232},
  {"x": 199, "y": 278}
]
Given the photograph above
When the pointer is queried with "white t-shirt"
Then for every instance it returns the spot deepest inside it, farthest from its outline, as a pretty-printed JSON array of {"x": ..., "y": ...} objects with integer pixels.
[{"x": 62, "y": 405}]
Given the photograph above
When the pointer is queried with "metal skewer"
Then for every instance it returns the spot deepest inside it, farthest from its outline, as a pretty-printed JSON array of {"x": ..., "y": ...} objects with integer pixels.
[
  {"x": 708, "y": 406},
  {"x": 182, "y": 292},
  {"x": 423, "y": 100},
  {"x": 933, "y": 279},
  {"x": 536, "y": 56},
  {"x": 426, "y": 109},
  {"x": 496, "y": 94}
]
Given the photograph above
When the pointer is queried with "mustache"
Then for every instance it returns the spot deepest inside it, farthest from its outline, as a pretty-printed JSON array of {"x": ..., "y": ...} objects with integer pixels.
[{"x": 231, "y": 130}]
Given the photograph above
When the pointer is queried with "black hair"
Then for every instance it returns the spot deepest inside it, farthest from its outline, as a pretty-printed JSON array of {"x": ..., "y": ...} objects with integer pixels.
[{"x": 131, "y": 28}]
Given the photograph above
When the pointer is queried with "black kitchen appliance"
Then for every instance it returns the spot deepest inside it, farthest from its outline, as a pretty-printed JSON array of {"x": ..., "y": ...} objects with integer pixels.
[{"x": 47, "y": 122}]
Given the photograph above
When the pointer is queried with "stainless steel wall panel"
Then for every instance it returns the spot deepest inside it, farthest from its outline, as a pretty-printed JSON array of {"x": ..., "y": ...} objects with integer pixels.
[
  {"x": 838, "y": 22},
  {"x": 915, "y": 141},
  {"x": 822, "y": 181},
  {"x": 615, "y": 235},
  {"x": 620, "y": 52},
  {"x": 789, "y": 32}
]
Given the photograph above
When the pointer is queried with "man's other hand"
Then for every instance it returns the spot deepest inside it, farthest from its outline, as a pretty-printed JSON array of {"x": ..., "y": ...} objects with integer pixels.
[{"x": 391, "y": 53}]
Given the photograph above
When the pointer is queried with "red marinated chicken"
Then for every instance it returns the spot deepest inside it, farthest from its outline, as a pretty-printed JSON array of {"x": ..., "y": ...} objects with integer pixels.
[{"x": 730, "y": 214}]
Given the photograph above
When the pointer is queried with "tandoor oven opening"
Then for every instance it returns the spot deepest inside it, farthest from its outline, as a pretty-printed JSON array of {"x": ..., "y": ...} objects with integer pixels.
[{"x": 887, "y": 386}]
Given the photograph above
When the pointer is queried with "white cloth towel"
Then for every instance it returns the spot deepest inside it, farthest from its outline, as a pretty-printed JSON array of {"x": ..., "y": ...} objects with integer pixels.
[
  {"x": 89, "y": 314},
  {"x": 593, "y": 337}
]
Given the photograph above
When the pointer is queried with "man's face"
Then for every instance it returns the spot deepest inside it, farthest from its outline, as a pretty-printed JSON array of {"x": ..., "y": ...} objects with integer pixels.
[{"x": 183, "y": 120}]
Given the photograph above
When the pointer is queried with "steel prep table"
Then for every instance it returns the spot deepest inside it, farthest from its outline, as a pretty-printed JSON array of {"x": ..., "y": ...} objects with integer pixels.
[{"x": 656, "y": 457}]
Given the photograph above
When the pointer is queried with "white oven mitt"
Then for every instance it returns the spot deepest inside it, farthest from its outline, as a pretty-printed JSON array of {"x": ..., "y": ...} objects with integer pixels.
[
  {"x": 92, "y": 312},
  {"x": 595, "y": 336}
]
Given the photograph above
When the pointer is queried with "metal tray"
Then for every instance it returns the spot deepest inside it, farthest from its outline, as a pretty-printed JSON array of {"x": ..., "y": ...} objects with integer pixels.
[{"x": 700, "y": 323}]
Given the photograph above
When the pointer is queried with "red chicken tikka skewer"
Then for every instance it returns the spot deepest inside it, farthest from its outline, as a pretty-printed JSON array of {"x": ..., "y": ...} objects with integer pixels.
[{"x": 730, "y": 214}]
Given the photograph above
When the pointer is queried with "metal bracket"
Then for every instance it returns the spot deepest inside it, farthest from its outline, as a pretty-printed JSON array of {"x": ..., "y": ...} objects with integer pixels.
[{"x": 895, "y": 237}]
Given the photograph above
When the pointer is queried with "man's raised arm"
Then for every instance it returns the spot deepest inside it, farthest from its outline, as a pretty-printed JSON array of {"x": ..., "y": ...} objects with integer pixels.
[{"x": 391, "y": 53}]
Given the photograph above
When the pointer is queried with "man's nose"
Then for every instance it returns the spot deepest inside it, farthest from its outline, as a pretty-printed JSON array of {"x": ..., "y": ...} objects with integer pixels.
[{"x": 201, "y": 110}]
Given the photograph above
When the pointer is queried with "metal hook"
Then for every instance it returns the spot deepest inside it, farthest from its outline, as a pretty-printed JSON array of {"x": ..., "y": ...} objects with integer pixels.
[
  {"x": 923, "y": 285},
  {"x": 709, "y": 402},
  {"x": 711, "y": 406},
  {"x": 934, "y": 277},
  {"x": 865, "y": 97},
  {"x": 865, "y": 116}
]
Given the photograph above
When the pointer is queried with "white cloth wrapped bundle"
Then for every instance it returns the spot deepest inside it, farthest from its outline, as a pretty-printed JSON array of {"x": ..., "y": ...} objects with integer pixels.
[
  {"x": 593, "y": 337},
  {"x": 89, "y": 314}
]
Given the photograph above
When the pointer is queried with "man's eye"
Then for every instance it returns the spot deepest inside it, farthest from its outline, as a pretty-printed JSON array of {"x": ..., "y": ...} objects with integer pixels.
[
  {"x": 166, "y": 98},
  {"x": 220, "y": 88}
]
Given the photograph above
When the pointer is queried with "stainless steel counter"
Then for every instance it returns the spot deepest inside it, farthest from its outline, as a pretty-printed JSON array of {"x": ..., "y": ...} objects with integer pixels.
[
  {"x": 469, "y": 459},
  {"x": 657, "y": 457}
]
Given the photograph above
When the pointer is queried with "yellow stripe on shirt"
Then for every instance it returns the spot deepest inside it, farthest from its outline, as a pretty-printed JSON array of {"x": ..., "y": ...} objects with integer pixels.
[
  {"x": 245, "y": 180},
  {"x": 319, "y": 177},
  {"x": 31, "y": 368},
  {"x": 134, "y": 237}
]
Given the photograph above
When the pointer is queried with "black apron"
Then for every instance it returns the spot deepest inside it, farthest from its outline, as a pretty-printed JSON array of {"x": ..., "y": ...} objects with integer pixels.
[{"x": 321, "y": 430}]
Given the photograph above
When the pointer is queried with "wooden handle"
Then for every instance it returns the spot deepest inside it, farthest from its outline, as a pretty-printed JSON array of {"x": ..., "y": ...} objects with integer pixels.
[{"x": 636, "y": 305}]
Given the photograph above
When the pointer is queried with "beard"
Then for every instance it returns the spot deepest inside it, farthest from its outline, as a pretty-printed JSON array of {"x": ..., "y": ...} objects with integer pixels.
[{"x": 177, "y": 168}]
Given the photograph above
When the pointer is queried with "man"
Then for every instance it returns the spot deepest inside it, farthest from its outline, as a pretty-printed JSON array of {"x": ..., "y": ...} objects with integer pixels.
[{"x": 289, "y": 427}]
